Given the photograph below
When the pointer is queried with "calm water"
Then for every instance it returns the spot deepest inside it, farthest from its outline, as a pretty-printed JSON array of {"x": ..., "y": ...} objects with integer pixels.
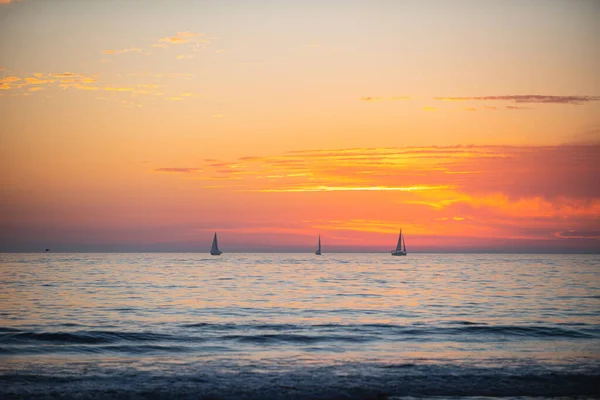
[{"x": 299, "y": 326}]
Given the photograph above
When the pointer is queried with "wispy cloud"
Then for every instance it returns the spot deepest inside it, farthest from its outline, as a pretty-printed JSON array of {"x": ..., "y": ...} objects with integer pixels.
[
  {"x": 9, "y": 82},
  {"x": 531, "y": 98},
  {"x": 122, "y": 51},
  {"x": 178, "y": 170},
  {"x": 543, "y": 171},
  {"x": 196, "y": 39},
  {"x": 325, "y": 188},
  {"x": 518, "y": 108},
  {"x": 26, "y": 85},
  {"x": 384, "y": 98},
  {"x": 466, "y": 191}
]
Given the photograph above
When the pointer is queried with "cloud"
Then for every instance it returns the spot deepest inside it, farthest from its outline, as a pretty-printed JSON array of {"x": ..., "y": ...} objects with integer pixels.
[
  {"x": 182, "y": 38},
  {"x": 178, "y": 170},
  {"x": 10, "y": 79},
  {"x": 118, "y": 89},
  {"x": 531, "y": 98},
  {"x": 37, "y": 81},
  {"x": 324, "y": 188},
  {"x": 9, "y": 82},
  {"x": 460, "y": 173},
  {"x": 394, "y": 98},
  {"x": 573, "y": 234},
  {"x": 78, "y": 81},
  {"x": 122, "y": 51},
  {"x": 518, "y": 108}
]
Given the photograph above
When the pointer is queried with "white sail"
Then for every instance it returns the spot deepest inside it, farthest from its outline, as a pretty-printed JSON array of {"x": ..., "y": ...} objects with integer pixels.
[{"x": 214, "y": 250}]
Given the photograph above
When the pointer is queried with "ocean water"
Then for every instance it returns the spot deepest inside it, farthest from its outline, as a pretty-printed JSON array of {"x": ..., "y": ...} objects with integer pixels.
[{"x": 298, "y": 326}]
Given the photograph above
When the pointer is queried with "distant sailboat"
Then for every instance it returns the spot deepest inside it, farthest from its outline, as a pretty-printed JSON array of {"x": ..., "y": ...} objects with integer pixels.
[
  {"x": 214, "y": 250},
  {"x": 399, "y": 251},
  {"x": 318, "y": 252}
]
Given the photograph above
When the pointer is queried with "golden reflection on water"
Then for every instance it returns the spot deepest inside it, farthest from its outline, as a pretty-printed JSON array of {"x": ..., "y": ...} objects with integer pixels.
[{"x": 101, "y": 289}]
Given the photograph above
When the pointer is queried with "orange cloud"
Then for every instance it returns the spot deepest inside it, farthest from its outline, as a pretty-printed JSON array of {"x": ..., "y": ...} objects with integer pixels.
[
  {"x": 118, "y": 89},
  {"x": 122, "y": 51},
  {"x": 178, "y": 170},
  {"x": 385, "y": 98},
  {"x": 36, "y": 81},
  {"x": 181, "y": 38},
  {"x": 7, "y": 83},
  {"x": 77, "y": 81},
  {"x": 468, "y": 194}
]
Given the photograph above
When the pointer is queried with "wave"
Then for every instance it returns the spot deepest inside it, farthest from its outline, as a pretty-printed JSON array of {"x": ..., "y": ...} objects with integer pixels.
[
  {"x": 269, "y": 334},
  {"x": 404, "y": 381},
  {"x": 294, "y": 338},
  {"x": 83, "y": 337},
  {"x": 571, "y": 331}
]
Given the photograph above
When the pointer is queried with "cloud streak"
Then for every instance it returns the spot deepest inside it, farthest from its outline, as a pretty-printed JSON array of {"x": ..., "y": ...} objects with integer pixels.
[
  {"x": 395, "y": 98},
  {"x": 178, "y": 170},
  {"x": 196, "y": 40},
  {"x": 27, "y": 85},
  {"x": 122, "y": 51},
  {"x": 464, "y": 193},
  {"x": 531, "y": 98}
]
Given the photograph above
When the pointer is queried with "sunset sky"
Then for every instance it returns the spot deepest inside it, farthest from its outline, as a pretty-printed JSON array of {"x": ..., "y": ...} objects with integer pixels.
[{"x": 473, "y": 125}]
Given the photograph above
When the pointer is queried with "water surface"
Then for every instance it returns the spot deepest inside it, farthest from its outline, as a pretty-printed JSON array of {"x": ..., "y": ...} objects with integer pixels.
[{"x": 299, "y": 326}]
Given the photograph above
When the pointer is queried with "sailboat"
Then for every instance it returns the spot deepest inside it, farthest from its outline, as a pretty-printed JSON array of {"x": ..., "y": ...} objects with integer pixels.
[
  {"x": 214, "y": 250},
  {"x": 399, "y": 251},
  {"x": 318, "y": 252}
]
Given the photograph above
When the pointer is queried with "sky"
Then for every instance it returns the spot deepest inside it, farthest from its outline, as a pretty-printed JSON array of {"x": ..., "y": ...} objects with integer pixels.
[{"x": 472, "y": 125}]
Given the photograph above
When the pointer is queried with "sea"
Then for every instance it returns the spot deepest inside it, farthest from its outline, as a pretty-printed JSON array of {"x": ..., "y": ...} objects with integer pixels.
[{"x": 299, "y": 326}]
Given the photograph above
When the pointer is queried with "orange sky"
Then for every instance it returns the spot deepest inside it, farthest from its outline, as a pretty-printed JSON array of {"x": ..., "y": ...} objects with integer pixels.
[{"x": 474, "y": 127}]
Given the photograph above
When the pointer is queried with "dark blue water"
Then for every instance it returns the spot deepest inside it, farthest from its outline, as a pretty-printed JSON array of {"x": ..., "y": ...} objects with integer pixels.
[{"x": 287, "y": 326}]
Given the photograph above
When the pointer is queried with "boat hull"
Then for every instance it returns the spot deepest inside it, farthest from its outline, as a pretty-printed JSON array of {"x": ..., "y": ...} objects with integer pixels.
[
  {"x": 398, "y": 253},
  {"x": 317, "y": 253},
  {"x": 218, "y": 253}
]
